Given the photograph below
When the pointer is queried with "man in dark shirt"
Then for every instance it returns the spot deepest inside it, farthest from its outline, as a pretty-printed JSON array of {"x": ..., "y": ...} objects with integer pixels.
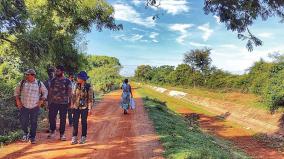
[
  {"x": 70, "y": 110},
  {"x": 60, "y": 92}
]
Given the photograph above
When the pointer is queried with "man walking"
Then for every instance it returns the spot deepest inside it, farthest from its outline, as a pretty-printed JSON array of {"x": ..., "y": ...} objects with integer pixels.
[
  {"x": 60, "y": 92},
  {"x": 71, "y": 110},
  {"x": 30, "y": 95}
]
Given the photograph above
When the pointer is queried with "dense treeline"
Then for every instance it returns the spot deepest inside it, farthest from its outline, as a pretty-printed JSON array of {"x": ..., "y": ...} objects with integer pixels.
[
  {"x": 104, "y": 72},
  {"x": 263, "y": 78}
]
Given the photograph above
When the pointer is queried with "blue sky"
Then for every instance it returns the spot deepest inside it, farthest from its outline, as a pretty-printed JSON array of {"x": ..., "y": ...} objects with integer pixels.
[{"x": 182, "y": 26}]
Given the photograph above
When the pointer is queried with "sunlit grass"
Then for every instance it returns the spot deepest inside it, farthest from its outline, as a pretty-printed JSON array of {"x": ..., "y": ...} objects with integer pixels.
[{"x": 179, "y": 141}]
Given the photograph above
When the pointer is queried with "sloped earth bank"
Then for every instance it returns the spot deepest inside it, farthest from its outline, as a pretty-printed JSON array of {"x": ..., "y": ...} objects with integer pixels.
[
  {"x": 239, "y": 134},
  {"x": 254, "y": 119},
  {"x": 111, "y": 135}
]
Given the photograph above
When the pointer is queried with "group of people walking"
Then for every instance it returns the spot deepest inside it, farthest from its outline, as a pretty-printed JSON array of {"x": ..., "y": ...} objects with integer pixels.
[{"x": 61, "y": 95}]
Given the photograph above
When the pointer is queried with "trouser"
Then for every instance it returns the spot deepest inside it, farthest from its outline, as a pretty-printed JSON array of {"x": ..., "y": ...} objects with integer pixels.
[
  {"x": 29, "y": 116},
  {"x": 53, "y": 111},
  {"x": 84, "y": 115},
  {"x": 70, "y": 116}
]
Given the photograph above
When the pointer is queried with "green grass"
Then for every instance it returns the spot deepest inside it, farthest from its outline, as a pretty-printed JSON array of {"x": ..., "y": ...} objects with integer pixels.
[
  {"x": 173, "y": 103},
  {"x": 179, "y": 141},
  {"x": 10, "y": 137},
  {"x": 246, "y": 99}
]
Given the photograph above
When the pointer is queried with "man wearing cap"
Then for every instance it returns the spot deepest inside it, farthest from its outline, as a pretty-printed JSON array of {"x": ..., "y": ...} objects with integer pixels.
[
  {"x": 83, "y": 99},
  {"x": 30, "y": 95},
  {"x": 60, "y": 92}
]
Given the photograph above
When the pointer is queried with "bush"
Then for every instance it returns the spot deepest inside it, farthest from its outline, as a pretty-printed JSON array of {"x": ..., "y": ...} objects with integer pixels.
[
  {"x": 274, "y": 91},
  {"x": 9, "y": 117}
]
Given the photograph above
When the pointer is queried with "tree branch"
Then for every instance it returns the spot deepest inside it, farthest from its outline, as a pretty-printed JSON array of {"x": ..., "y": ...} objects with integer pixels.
[{"x": 10, "y": 41}]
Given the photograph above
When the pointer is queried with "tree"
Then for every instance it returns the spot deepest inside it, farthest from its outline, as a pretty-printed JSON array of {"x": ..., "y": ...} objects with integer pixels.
[
  {"x": 239, "y": 15},
  {"x": 48, "y": 29},
  {"x": 182, "y": 75},
  {"x": 198, "y": 59},
  {"x": 144, "y": 73},
  {"x": 161, "y": 74},
  {"x": 104, "y": 72}
]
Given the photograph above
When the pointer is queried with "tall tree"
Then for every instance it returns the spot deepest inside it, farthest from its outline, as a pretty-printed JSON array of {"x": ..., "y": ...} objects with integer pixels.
[
  {"x": 40, "y": 29},
  {"x": 198, "y": 59}
]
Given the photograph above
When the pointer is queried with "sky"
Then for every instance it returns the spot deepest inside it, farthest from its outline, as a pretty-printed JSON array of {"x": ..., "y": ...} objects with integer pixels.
[{"x": 182, "y": 26}]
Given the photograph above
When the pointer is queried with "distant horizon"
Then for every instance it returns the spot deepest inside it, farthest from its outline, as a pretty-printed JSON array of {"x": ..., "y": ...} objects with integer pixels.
[{"x": 165, "y": 40}]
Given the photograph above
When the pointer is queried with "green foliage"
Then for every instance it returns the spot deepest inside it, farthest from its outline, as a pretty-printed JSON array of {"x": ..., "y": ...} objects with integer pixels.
[
  {"x": 198, "y": 59},
  {"x": 9, "y": 116},
  {"x": 274, "y": 89},
  {"x": 104, "y": 72},
  {"x": 180, "y": 76},
  {"x": 144, "y": 73},
  {"x": 161, "y": 75},
  {"x": 258, "y": 76},
  {"x": 263, "y": 78},
  {"x": 42, "y": 29},
  {"x": 42, "y": 33},
  {"x": 10, "y": 137}
]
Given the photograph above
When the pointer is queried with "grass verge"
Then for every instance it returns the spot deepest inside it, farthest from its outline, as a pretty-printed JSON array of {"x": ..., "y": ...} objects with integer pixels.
[{"x": 181, "y": 142}]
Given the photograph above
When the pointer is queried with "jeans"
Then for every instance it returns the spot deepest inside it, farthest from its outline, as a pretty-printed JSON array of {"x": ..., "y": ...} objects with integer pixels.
[
  {"x": 84, "y": 115},
  {"x": 53, "y": 111},
  {"x": 70, "y": 115},
  {"x": 29, "y": 116}
]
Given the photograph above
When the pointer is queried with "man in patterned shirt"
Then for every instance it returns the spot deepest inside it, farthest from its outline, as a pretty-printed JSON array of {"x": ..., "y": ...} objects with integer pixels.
[
  {"x": 30, "y": 95},
  {"x": 60, "y": 92}
]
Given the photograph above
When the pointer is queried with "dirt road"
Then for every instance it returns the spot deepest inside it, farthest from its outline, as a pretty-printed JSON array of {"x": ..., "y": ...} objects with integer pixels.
[{"x": 111, "y": 134}]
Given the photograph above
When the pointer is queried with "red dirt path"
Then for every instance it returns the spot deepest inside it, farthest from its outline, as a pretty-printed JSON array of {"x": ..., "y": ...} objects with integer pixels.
[{"x": 110, "y": 135}]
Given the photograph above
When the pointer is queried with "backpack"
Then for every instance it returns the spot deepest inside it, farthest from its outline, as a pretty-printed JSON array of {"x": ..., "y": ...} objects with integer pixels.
[
  {"x": 24, "y": 81},
  {"x": 22, "y": 85}
]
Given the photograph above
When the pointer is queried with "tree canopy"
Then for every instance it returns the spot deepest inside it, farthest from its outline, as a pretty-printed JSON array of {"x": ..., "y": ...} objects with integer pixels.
[{"x": 38, "y": 29}]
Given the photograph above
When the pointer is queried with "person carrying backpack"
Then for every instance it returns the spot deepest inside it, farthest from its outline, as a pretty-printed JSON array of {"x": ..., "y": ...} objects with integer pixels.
[
  {"x": 30, "y": 95},
  {"x": 60, "y": 93},
  {"x": 125, "y": 96},
  {"x": 83, "y": 100}
]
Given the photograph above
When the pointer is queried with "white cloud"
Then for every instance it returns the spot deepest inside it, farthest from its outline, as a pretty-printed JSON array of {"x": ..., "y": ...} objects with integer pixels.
[
  {"x": 207, "y": 32},
  {"x": 153, "y": 36},
  {"x": 131, "y": 38},
  {"x": 145, "y": 40},
  {"x": 265, "y": 35},
  {"x": 199, "y": 44},
  {"x": 239, "y": 59},
  {"x": 127, "y": 13},
  {"x": 138, "y": 2},
  {"x": 155, "y": 41},
  {"x": 174, "y": 7},
  {"x": 138, "y": 29},
  {"x": 180, "y": 27},
  {"x": 217, "y": 19},
  {"x": 183, "y": 29}
]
